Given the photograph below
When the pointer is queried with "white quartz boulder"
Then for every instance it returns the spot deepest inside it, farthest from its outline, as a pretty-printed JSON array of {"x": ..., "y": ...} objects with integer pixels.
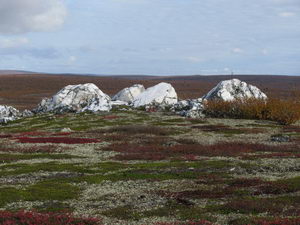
[
  {"x": 76, "y": 98},
  {"x": 8, "y": 113},
  {"x": 234, "y": 89},
  {"x": 161, "y": 94},
  {"x": 129, "y": 94}
]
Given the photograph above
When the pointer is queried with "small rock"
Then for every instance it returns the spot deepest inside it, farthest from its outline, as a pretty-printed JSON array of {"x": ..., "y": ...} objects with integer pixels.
[
  {"x": 280, "y": 138},
  {"x": 191, "y": 108},
  {"x": 27, "y": 113},
  {"x": 66, "y": 130}
]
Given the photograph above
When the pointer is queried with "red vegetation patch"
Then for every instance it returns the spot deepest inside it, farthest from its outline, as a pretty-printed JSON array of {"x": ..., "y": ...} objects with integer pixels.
[
  {"x": 110, "y": 117},
  {"x": 34, "y": 218},
  {"x": 291, "y": 129},
  {"x": 273, "y": 155},
  {"x": 200, "y": 222},
  {"x": 233, "y": 187},
  {"x": 278, "y": 221},
  {"x": 184, "y": 151},
  {"x": 245, "y": 182},
  {"x": 57, "y": 140},
  {"x": 61, "y": 134},
  {"x": 227, "y": 129},
  {"x": 6, "y": 136},
  {"x": 274, "y": 188}
]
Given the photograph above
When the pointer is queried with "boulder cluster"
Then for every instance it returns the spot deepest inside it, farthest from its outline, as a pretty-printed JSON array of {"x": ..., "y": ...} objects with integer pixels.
[{"x": 89, "y": 98}]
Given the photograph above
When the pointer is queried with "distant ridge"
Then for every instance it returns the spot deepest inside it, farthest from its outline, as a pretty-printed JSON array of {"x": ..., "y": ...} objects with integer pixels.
[
  {"x": 149, "y": 77},
  {"x": 12, "y": 72}
]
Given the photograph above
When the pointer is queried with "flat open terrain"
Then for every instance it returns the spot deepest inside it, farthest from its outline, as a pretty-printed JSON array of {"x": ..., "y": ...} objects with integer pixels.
[
  {"x": 25, "y": 91},
  {"x": 135, "y": 167}
]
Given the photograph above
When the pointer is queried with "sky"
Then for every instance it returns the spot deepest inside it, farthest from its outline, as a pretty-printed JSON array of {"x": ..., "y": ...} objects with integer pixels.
[{"x": 154, "y": 37}]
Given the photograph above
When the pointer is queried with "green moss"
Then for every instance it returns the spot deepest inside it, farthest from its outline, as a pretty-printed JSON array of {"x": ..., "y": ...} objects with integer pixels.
[
  {"x": 197, "y": 121},
  {"x": 51, "y": 190},
  {"x": 46, "y": 190},
  {"x": 179, "y": 211},
  {"x": 8, "y": 195},
  {"x": 175, "y": 120},
  {"x": 292, "y": 183},
  {"x": 122, "y": 213}
]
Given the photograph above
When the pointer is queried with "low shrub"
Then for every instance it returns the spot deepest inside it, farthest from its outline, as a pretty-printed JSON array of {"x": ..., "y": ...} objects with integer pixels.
[
  {"x": 5, "y": 136},
  {"x": 30, "y": 218},
  {"x": 200, "y": 222},
  {"x": 277, "y": 221},
  {"x": 56, "y": 140},
  {"x": 184, "y": 151},
  {"x": 282, "y": 111}
]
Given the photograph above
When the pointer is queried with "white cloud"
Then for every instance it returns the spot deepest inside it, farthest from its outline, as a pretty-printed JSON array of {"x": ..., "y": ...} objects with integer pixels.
[
  {"x": 194, "y": 59},
  {"x": 237, "y": 50},
  {"x": 72, "y": 59},
  {"x": 21, "y": 16},
  {"x": 286, "y": 14},
  {"x": 13, "y": 42},
  {"x": 264, "y": 51}
]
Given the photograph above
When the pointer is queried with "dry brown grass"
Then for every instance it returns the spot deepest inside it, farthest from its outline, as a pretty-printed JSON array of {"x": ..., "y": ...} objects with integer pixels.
[{"x": 283, "y": 111}]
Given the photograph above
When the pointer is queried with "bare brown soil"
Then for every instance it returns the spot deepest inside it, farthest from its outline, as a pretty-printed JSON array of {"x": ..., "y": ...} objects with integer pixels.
[{"x": 25, "y": 91}]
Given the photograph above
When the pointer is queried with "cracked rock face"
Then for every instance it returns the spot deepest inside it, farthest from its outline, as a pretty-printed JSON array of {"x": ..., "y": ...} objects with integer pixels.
[
  {"x": 230, "y": 90},
  {"x": 160, "y": 94},
  {"x": 129, "y": 94},
  {"x": 76, "y": 98},
  {"x": 8, "y": 113}
]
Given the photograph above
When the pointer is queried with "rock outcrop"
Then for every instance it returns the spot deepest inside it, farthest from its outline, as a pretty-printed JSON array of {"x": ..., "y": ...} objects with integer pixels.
[
  {"x": 76, "y": 98},
  {"x": 191, "y": 108},
  {"x": 162, "y": 94},
  {"x": 8, "y": 113},
  {"x": 129, "y": 94},
  {"x": 230, "y": 90}
]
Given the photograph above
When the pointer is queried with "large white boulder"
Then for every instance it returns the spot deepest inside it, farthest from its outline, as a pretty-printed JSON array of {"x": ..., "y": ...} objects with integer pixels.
[
  {"x": 161, "y": 94},
  {"x": 129, "y": 94},
  {"x": 8, "y": 113},
  {"x": 76, "y": 98},
  {"x": 234, "y": 89}
]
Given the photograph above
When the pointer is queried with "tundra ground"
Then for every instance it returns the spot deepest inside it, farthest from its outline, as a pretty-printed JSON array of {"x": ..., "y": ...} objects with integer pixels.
[{"x": 135, "y": 167}]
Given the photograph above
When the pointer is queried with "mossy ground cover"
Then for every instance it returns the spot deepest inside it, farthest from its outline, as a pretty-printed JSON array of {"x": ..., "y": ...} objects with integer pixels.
[{"x": 150, "y": 167}]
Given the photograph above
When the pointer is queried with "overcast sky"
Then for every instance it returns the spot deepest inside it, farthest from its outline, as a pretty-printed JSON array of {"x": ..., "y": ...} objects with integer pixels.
[{"x": 151, "y": 36}]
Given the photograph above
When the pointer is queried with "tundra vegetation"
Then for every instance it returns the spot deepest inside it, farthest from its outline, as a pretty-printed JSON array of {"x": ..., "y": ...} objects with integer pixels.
[{"x": 137, "y": 167}]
